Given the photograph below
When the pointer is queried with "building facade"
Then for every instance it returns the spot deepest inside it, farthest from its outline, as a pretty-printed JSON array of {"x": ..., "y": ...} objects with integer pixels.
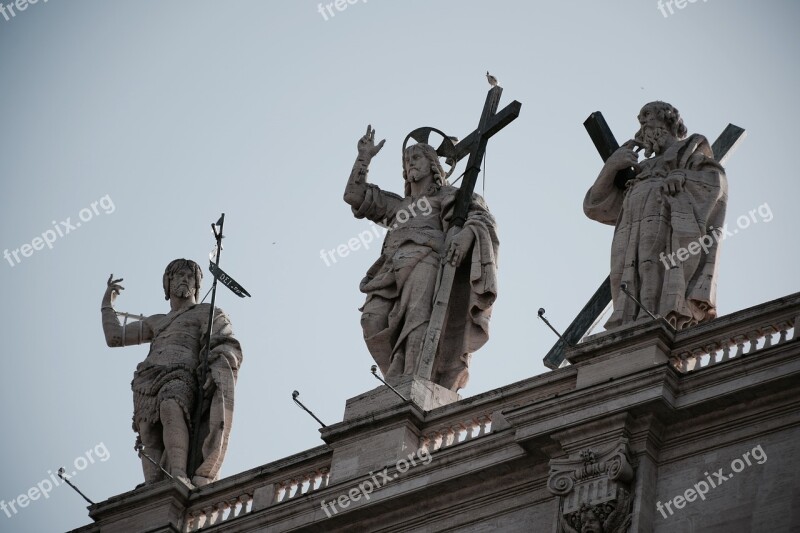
[{"x": 646, "y": 430}]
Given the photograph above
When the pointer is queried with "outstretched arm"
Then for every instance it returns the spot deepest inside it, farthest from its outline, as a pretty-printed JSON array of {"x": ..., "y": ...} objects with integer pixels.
[
  {"x": 356, "y": 189},
  {"x": 117, "y": 335}
]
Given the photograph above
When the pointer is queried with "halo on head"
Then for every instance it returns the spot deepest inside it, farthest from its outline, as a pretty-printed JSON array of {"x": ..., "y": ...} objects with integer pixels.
[{"x": 446, "y": 149}]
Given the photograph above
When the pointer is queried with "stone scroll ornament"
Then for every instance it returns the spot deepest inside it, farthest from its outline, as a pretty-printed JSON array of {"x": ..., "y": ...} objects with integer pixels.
[{"x": 595, "y": 490}]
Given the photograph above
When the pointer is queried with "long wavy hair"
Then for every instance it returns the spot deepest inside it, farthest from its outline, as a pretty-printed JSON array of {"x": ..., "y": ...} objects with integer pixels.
[
  {"x": 181, "y": 264},
  {"x": 669, "y": 115},
  {"x": 429, "y": 152}
]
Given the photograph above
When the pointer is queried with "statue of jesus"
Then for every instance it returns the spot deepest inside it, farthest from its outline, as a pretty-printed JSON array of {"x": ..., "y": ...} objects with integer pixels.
[{"x": 400, "y": 286}]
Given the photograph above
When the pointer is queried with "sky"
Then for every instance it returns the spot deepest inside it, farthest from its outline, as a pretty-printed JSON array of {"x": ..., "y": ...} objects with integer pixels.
[{"x": 144, "y": 121}]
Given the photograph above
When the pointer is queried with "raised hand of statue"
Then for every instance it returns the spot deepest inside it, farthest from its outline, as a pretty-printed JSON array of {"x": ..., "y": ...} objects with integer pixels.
[
  {"x": 625, "y": 156},
  {"x": 113, "y": 288},
  {"x": 366, "y": 145},
  {"x": 457, "y": 246}
]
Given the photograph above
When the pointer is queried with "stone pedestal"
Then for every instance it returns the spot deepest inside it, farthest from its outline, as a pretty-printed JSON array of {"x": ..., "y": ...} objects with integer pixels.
[
  {"x": 427, "y": 395},
  {"x": 154, "y": 508},
  {"x": 622, "y": 352},
  {"x": 380, "y": 428}
]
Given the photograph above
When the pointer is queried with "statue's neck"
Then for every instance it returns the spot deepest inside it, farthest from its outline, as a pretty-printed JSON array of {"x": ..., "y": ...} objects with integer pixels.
[{"x": 181, "y": 304}]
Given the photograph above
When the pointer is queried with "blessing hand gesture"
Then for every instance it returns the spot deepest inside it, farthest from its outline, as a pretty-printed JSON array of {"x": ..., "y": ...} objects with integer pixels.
[{"x": 366, "y": 145}]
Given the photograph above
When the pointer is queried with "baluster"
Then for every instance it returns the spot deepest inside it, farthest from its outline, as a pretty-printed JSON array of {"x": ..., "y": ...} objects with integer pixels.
[
  {"x": 247, "y": 503},
  {"x": 424, "y": 443},
  {"x": 240, "y": 506},
  {"x": 281, "y": 487},
  {"x": 726, "y": 350},
  {"x": 208, "y": 511},
  {"x": 753, "y": 336},
  {"x": 684, "y": 362},
  {"x": 783, "y": 330},
  {"x": 739, "y": 340},
  {"x": 768, "y": 332},
  {"x": 436, "y": 438},
  {"x": 711, "y": 349},
  {"x": 450, "y": 437},
  {"x": 457, "y": 430},
  {"x": 473, "y": 429},
  {"x": 697, "y": 358},
  {"x": 303, "y": 491},
  {"x": 193, "y": 521},
  {"x": 298, "y": 487},
  {"x": 481, "y": 421},
  {"x": 219, "y": 516},
  {"x": 235, "y": 507}
]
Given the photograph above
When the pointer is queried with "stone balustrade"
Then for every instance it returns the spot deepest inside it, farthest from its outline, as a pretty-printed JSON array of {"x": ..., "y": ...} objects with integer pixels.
[
  {"x": 216, "y": 513},
  {"x": 303, "y": 484},
  {"x": 456, "y": 433},
  {"x": 743, "y": 333},
  {"x": 257, "y": 489}
]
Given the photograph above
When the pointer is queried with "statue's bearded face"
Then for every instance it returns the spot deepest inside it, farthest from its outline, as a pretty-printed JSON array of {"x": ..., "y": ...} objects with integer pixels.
[
  {"x": 182, "y": 283},
  {"x": 653, "y": 133},
  {"x": 418, "y": 166}
]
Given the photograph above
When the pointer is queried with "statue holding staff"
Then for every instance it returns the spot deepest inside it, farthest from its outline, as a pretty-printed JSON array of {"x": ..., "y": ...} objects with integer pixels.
[{"x": 165, "y": 385}]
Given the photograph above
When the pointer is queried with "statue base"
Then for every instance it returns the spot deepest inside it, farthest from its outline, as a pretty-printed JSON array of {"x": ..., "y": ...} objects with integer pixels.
[
  {"x": 379, "y": 428},
  {"x": 426, "y": 394}
]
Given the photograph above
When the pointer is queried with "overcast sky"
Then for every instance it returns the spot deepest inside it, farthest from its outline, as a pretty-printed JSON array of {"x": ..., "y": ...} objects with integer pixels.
[{"x": 166, "y": 114}]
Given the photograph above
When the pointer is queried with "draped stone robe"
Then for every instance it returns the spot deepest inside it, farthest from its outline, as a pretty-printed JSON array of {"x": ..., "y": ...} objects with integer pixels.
[
  {"x": 401, "y": 285},
  {"x": 652, "y": 227}
]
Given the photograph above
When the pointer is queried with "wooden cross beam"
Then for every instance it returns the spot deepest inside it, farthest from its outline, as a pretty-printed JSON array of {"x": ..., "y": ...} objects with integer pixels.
[
  {"x": 473, "y": 145},
  {"x": 606, "y": 145}
]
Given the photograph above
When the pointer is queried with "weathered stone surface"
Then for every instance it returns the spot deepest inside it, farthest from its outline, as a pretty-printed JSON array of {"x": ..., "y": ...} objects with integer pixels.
[
  {"x": 672, "y": 422},
  {"x": 668, "y": 221},
  {"x": 401, "y": 285},
  {"x": 166, "y": 392},
  {"x": 425, "y": 394}
]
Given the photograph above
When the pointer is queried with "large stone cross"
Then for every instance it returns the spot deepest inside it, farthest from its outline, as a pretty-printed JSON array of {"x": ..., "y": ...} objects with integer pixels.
[
  {"x": 606, "y": 145},
  {"x": 473, "y": 145}
]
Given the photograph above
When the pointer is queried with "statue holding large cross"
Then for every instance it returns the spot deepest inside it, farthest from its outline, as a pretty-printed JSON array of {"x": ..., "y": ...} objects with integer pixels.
[
  {"x": 436, "y": 276},
  {"x": 668, "y": 213}
]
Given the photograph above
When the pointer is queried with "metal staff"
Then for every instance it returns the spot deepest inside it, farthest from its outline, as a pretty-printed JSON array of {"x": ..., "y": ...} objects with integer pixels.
[{"x": 198, "y": 415}]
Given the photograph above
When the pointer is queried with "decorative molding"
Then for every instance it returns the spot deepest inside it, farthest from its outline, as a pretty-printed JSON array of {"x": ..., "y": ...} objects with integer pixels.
[{"x": 594, "y": 489}]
